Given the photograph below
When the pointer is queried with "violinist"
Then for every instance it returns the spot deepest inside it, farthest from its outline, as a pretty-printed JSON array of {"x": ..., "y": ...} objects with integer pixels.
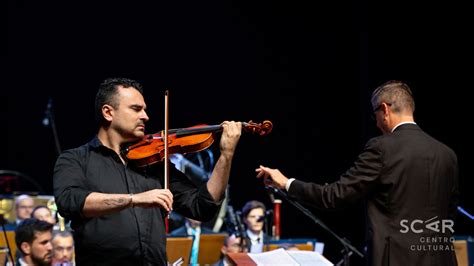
[{"x": 118, "y": 209}]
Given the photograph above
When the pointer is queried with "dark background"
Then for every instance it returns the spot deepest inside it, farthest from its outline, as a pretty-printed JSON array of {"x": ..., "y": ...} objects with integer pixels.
[{"x": 309, "y": 68}]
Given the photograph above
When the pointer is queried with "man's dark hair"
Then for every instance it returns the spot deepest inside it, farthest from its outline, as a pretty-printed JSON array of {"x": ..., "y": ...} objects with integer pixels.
[
  {"x": 107, "y": 92},
  {"x": 253, "y": 204},
  {"x": 26, "y": 231}
]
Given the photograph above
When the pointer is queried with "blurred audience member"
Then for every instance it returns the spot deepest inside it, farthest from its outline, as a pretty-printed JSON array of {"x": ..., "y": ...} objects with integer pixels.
[
  {"x": 193, "y": 228},
  {"x": 43, "y": 213},
  {"x": 253, "y": 214},
  {"x": 23, "y": 207},
  {"x": 63, "y": 248},
  {"x": 33, "y": 239},
  {"x": 232, "y": 244}
]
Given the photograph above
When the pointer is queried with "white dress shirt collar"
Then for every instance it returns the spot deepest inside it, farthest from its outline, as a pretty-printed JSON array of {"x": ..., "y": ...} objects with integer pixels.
[{"x": 403, "y": 123}]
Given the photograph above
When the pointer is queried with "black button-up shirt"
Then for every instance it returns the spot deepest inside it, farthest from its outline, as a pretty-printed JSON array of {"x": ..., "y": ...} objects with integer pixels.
[{"x": 133, "y": 236}]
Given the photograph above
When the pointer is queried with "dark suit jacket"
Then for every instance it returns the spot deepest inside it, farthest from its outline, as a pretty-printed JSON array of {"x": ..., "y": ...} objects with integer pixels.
[
  {"x": 406, "y": 176},
  {"x": 265, "y": 241}
]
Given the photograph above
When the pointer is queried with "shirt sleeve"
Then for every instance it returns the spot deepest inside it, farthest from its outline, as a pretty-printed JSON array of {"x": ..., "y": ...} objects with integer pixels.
[
  {"x": 353, "y": 185},
  {"x": 69, "y": 182},
  {"x": 288, "y": 183},
  {"x": 192, "y": 201}
]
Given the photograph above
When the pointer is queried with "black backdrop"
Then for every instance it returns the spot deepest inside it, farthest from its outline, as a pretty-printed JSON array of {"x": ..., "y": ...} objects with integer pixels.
[{"x": 309, "y": 68}]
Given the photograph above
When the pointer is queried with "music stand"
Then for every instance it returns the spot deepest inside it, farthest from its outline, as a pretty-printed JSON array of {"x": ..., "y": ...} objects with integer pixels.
[
  {"x": 179, "y": 247},
  {"x": 210, "y": 248},
  {"x": 241, "y": 258}
]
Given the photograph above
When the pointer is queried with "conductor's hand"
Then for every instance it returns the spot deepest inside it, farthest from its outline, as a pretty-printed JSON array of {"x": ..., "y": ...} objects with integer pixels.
[
  {"x": 230, "y": 137},
  {"x": 156, "y": 198},
  {"x": 271, "y": 177}
]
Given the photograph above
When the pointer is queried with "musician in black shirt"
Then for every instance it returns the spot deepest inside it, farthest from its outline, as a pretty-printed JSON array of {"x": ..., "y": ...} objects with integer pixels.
[{"x": 117, "y": 209}]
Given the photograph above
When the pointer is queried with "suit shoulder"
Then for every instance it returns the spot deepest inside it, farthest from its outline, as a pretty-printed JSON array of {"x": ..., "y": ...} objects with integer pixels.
[
  {"x": 81, "y": 150},
  {"x": 78, "y": 154},
  {"x": 443, "y": 146},
  {"x": 376, "y": 142}
]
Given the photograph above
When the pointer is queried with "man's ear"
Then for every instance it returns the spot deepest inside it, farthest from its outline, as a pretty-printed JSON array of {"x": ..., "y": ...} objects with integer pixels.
[
  {"x": 224, "y": 250},
  {"x": 386, "y": 108},
  {"x": 107, "y": 112},
  {"x": 25, "y": 248}
]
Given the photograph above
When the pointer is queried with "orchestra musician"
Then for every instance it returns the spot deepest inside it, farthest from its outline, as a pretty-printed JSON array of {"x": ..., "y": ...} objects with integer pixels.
[{"x": 118, "y": 209}]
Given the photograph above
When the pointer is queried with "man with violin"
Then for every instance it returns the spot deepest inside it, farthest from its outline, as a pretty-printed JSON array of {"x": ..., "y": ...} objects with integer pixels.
[
  {"x": 408, "y": 178},
  {"x": 117, "y": 208}
]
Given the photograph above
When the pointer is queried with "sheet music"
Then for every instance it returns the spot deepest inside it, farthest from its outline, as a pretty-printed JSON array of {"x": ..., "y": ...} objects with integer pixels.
[
  {"x": 319, "y": 248},
  {"x": 290, "y": 258},
  {"x": 310, "y": 258},
  {"x": 274, "y": 257}
]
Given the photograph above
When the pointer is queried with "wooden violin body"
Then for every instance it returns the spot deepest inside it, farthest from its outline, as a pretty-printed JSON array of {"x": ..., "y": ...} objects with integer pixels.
[{"x": 151, "y": 148}]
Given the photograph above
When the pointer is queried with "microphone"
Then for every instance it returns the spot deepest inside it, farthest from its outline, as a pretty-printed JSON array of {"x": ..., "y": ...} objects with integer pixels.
[
  {"x": 47, "y": 113},
  {"x": 267, "y": 213}
]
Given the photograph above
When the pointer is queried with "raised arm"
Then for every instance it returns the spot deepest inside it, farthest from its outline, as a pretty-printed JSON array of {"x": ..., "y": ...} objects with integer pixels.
[{"x": 220, "y": 175}]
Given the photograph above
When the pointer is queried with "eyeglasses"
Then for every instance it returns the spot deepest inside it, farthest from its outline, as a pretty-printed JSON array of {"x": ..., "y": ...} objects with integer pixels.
[
  {"x": 378, "y": 108},
  {"x": 25, "y": 207},
  {"x": 61, "y": 249}
]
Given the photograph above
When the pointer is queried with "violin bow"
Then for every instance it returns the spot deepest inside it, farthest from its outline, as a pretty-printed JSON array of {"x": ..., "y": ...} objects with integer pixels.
[
  {"x": 166, "y": 161},
  {"x": 165, "y": 139}
]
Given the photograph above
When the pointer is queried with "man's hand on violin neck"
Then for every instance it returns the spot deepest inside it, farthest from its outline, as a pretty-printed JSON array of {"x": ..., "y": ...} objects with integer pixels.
[
  {"x": 230, "y": 137},
  {"x": 156, "y": 198}
]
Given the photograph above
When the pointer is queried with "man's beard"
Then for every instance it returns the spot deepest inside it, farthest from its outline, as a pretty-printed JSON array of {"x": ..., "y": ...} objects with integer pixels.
[{"x": 41, "y": 261}]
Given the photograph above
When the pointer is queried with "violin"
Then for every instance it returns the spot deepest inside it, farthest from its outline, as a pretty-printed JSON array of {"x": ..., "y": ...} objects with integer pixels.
[{"x": 151, "y": 148}]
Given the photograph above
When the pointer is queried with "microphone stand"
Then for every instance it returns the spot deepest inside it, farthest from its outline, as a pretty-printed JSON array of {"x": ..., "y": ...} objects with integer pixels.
[
  {"x": 49, "y": 119},
  {"x": 348, "y": 248},
  {"x": 244, "y": 238},
  {"x": 238, "y": 228},
  {"x": 3, "y": 222}
]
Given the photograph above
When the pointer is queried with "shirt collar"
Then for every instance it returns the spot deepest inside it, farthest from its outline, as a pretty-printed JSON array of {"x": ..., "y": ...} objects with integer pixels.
[
  {"x": 402, "y": 123},
  {"x": 96, "y": 145},
  {"x": 253, "y": 236},
  {"x": 95, "y": 142},
  {"x": 21, "y": 262}
]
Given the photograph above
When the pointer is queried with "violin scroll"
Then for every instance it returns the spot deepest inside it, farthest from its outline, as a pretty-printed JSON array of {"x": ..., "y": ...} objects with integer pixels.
[{"x": 261, "y": 129}]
